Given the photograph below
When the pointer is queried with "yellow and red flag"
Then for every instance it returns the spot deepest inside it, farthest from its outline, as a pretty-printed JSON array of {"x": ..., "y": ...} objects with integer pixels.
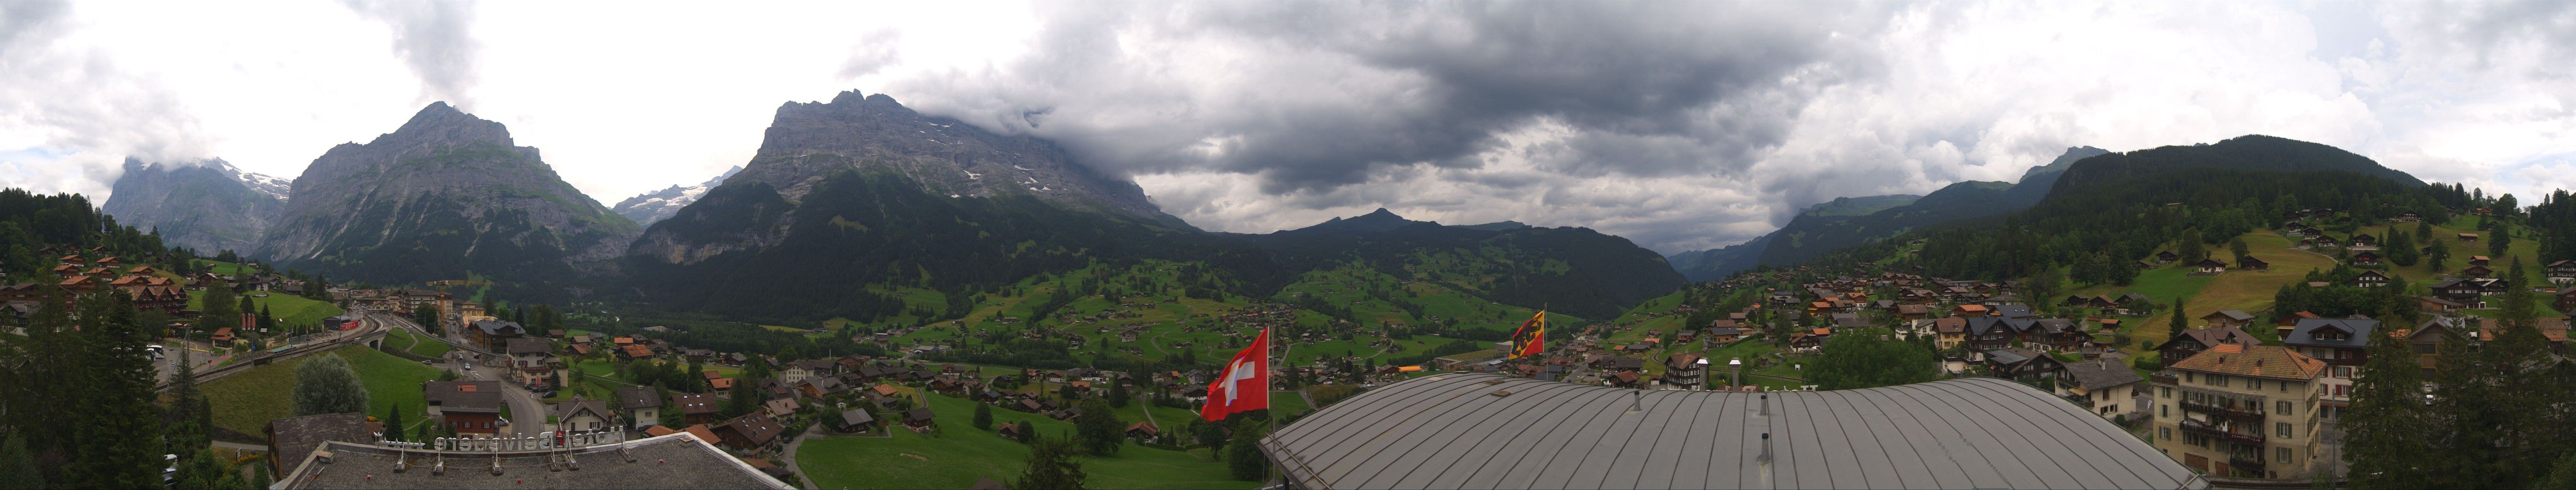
[
  {"x": 1531, "y": 339},
  {"x": 1244, "y": 385}
]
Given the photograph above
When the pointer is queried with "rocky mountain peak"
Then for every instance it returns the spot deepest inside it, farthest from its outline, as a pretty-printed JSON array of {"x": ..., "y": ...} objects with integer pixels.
[
  {"x": 447, "y": 177},
  {"x": 808, "y": 141}
]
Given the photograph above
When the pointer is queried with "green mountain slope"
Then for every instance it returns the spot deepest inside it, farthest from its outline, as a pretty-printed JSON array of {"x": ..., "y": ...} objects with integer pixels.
[{"x": 1841, "y": 223}]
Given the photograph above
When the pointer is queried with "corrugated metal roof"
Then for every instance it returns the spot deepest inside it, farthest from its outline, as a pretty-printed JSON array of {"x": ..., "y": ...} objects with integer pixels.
[{"x": 1452, "y": 431}]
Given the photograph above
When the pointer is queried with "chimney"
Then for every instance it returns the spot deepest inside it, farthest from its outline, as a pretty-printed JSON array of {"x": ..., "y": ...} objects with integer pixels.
[
  {"x": 1637, "y": 401},
  {"x": 1766, "y": 410},
  {"x": 1766, "y": 448}
]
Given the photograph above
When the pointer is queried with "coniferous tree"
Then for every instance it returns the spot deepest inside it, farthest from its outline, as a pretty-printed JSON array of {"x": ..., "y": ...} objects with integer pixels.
[
  {"x": 18, "y": 465},
  {"x": 189, "y": 416},
  {"x": 2499, "y": 242},
  {"x": 2384, "y": 430},
  {"x": 984, "y": 416},
  {"x": 2191, "y": 247},
  {"x": 2469, "y": 417},
  {"x": 2401, "y": 249},
  {"x": 2177, "y": 326},
  {"x": 1118, "y": 396},
  {"x": 394, "y": 423},
  {"x": 116, "y": 374}
]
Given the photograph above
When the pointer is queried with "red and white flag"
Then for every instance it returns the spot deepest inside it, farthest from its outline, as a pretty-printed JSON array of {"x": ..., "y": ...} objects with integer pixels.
[{"x": 1244, "y": 385}]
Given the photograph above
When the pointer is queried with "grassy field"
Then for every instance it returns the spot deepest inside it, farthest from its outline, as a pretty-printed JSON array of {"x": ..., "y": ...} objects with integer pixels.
[
  {"x": 245, "y": 402},
  {"x": 292, "y": 310},
  {"x": 963, "y": 453},
  {"x": 418, "y": 345}
]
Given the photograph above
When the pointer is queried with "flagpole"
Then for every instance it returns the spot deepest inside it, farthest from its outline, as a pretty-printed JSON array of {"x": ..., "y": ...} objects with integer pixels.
[{"x": 1272, "y": 413}]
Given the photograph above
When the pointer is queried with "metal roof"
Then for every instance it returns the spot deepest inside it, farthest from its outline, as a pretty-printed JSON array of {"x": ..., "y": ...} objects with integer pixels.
[{"x": 1461, "y": 430}]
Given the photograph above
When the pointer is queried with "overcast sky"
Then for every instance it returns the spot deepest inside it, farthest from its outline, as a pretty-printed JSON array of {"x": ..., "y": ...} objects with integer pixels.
[{"x": 1678, "y": 125}]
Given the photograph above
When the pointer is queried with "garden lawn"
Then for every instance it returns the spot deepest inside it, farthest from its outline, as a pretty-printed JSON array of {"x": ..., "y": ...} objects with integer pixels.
[
  {"x": 293, "y": 310},
  {"x": 1283, "y": 404},
  {"x": 245, "y": 402},
  {"x": 963, "y": 454}
]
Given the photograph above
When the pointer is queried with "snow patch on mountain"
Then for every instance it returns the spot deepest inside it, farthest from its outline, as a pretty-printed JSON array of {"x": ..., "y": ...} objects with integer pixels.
[{"x": 662, "y": 204}]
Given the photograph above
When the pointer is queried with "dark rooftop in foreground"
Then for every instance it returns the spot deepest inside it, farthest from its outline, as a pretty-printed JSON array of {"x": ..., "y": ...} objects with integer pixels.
[
  {"x": 1469, "y": 430},
  {"x": 671, "y": 461}
]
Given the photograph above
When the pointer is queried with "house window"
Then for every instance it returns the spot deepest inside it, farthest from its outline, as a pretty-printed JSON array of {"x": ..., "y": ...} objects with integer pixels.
[
  {"x": 2281, "y": 428},
  {"x": 2164, "y": 410},
  {"x": 2284, "y": 454},
  {"x": 2190, "y": 377},
  {"x": 2165, "y": 433},
  {"x": 2284, "y": 409},
  {"x": 2168, "y": 392},
  {"x": 2253, "y": 384},
  {"x": 2218, "y": 380}
]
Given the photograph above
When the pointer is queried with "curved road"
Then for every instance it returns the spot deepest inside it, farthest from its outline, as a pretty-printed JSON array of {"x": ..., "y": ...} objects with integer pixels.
[{"x": 527, "y": 413}]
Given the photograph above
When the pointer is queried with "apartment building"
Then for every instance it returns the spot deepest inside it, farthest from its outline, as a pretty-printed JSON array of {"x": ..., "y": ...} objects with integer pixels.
[{"x": 2244, "y": 411}]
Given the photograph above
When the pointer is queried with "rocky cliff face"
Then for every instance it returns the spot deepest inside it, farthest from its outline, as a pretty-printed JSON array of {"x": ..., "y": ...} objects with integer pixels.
[
  {"x": 207, "y": 205},
  {"x": 444, "y": 195},
  {"x": 808, "y": 143},
  {"x": 659, "y": 205}
]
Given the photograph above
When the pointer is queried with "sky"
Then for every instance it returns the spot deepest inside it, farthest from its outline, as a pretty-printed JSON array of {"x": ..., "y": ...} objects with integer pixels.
[{"x": 1678, "y": 125}]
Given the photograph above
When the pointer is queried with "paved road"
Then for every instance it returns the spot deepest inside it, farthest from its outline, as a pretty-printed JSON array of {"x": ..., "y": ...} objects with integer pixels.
[
  {"x": 527, "y": 412},
  {"x": 811, "y": 432}
]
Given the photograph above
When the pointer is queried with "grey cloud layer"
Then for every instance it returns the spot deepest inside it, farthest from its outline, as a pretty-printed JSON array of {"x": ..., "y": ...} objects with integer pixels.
[
  {"x": 1330, "y": 93},
  {"x": 435, "y": 38}
]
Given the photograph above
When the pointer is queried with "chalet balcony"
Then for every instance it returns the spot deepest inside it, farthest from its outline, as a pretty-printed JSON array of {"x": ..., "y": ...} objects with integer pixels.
[
  {"x": 2202, "y": 428},
  {"x": 2246, "y": 462},
  {"x": 2165, "y": 379},
  {"x": 2225, "y": 411}
]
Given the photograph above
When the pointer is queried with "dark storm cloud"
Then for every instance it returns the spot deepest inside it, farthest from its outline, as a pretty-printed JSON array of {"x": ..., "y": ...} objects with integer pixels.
[
  {"x": 1643, "y": 89},
  {"x": 435, "y": 39}
]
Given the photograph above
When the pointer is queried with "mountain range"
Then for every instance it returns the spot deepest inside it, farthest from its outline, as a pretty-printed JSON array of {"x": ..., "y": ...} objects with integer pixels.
[
  {"x": 1845, "y": 222},
  {"x": 851, "y": 197}
]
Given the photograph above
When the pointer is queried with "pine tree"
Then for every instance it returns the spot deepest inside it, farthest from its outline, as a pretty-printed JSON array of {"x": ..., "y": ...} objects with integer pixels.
[
  {"x": 2177, "y": 326},
  {"x": 394, "y": 423},
  {"x": 189, "y": 416},
  {"x": 2191, "y": 247},
  {"x": 2499, "y": 242},
  {"x": 2469, "y": 417},
  {"x": 2401, "y": 249},
  {"x": 116, "y": 374},
  {"x": 2384, "y": 439},
  {"x": 1118, "y": 396}
]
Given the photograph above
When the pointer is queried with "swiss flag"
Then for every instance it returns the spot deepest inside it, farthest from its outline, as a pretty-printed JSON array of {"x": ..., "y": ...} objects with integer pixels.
[{"x": 1244, "y": 385}]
